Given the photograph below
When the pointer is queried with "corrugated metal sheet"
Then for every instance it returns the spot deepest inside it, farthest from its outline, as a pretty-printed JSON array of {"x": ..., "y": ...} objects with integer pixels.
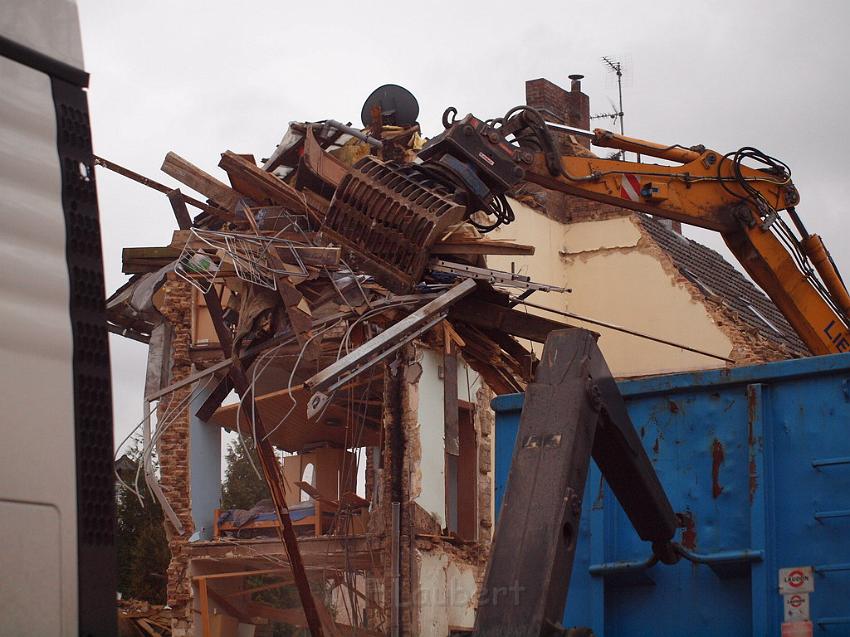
[{"x": 758, "y": 460}]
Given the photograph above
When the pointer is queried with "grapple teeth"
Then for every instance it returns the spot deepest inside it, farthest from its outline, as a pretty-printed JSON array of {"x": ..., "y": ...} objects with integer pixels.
[{"x": 388, "y": 215}]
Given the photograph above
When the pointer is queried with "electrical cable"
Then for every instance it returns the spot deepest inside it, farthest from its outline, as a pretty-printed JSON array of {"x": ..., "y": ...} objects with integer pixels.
[
  {"x": 767, "y": 213},
  {"x": 169, "y": 415},
  {"x": 621, "y": 329}
]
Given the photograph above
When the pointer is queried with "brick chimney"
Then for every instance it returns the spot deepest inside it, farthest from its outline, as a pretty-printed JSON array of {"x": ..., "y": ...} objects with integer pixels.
[
  {"x": 559, "y": 105},
  {"x": 573, "y": 109}
]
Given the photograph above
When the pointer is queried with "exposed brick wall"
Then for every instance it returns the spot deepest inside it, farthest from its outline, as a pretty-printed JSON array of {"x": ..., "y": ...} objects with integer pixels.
[
  {"x": 484, "y": 425},
  {"x": 572, "y": 108},
  {"x": 564, "y": 107},
  {"x": 566, "y": 208},
  {"x": 173, "y": 452}
]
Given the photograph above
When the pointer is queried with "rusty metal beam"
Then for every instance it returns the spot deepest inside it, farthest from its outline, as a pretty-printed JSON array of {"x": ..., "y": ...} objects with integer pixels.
[{"x": 150, "y": 183}]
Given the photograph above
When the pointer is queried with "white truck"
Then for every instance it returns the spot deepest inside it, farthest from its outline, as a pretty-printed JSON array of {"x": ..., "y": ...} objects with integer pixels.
[{"x": 57, "y": 563}]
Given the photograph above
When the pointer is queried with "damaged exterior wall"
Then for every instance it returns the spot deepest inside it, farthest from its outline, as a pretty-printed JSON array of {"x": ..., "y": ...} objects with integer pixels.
[
  {"x": 616, "y": 276},
  {"x": 439, "y": 579},
  {"x": 622, "y": 273},
  {"x": 446, "y": 594},
  {"x": 619, "y": 274},
  {"x": 429, "y": 479},
  {"x": 447, "y": 576}
]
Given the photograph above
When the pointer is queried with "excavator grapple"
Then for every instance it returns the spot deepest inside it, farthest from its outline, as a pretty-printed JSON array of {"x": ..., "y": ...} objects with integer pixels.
[{"x": 389, "y": 215}]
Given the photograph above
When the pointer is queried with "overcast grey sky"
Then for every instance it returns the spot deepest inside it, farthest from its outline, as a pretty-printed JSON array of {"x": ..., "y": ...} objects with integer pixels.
[{"x": 200, "y": 78}]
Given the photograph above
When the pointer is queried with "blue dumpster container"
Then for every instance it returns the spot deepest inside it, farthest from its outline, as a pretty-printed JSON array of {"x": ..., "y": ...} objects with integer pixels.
[{"x": 757, "y": 461}]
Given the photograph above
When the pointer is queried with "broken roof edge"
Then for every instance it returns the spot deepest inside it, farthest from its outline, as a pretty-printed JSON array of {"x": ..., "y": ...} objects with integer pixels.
[{"x": 719, "y": 281}]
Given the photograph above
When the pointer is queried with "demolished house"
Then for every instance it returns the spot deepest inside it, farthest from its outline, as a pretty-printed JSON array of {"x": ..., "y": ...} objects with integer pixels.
[
  {"x": 634, "y": 270},
  {"x": 368, "y": 354}
]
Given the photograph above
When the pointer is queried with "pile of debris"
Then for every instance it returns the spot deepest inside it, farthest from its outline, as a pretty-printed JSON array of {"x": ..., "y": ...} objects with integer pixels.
[
  {"x": 315, "y": 266},
  {"x": 137, "y": 618}
]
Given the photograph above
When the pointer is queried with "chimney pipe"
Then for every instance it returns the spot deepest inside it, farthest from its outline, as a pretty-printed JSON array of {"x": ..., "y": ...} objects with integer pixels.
[{"x": 575, "y": 84}]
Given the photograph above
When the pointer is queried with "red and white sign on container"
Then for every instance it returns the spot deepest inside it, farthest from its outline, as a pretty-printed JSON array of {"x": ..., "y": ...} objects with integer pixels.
[
  {"x": 795, "y": 584},
  {"x": 796, "y": 607},
  {"x": 796, "y": 579}
]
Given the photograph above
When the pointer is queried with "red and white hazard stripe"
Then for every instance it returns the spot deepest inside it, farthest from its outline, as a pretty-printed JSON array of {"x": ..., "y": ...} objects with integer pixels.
[{"x": 630, "y": 187}]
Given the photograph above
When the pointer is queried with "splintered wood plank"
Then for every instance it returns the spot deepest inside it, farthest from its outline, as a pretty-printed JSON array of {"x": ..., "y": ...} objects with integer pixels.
[
  {"x": 485, "y": 357},
  {"x": 497, "y": 317},
  {"x": 265, "y": 187},
  {"x": 187, "y": 173},
  {"x": 524, "y": 358},
  {"x": 450, "y": 400},
  {"x": 481, "y": 246},
  {"x": 153, "y": 252}
]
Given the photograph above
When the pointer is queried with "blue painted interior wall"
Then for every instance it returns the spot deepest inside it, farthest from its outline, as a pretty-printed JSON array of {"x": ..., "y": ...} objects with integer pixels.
[{"x": 204, "y": 469}]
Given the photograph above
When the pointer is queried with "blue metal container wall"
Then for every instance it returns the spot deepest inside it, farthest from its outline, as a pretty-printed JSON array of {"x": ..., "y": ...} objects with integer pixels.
[{"x": 758, "y": 461}]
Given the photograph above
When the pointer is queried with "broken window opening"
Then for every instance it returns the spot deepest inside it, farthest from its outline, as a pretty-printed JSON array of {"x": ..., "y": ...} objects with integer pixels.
[{"x": 308, "y": 476}]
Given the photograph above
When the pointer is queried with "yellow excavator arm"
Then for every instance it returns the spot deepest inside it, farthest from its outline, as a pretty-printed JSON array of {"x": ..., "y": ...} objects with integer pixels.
[
  {"x": 718, "y": 192},
  {"x": 473, "y": 165}
]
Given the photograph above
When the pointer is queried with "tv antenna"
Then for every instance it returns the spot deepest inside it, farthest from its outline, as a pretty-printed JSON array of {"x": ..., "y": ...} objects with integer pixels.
[
  {"x": 613, "y": 114},
  {"x": 616, "y": 67}
]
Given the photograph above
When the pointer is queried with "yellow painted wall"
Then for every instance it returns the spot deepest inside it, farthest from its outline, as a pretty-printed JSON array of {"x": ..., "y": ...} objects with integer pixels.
[{"x": 615, "y": 277}]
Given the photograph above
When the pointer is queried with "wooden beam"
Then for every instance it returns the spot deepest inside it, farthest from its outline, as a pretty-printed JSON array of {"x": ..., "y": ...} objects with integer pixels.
[
  {"x": 150, "y": 252},
  {"x": 498, "y": 317},
  {"x": 150, "y": 183},
  {"x": 187, "y": 173},
  {"x": 263, "y": 186},
  {"x": 206, "y": 629},
  {"x": 178, "y": 205},
  {"x": 229, "y": 608},
  {"x": 216, "y": 397},
  {"x": 481, "y": 246}
]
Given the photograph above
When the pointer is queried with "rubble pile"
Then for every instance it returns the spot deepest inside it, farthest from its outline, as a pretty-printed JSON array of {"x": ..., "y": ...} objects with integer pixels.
[
  {"x": 309, "y": 273},
  {"x": 137, "y": 618}
]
